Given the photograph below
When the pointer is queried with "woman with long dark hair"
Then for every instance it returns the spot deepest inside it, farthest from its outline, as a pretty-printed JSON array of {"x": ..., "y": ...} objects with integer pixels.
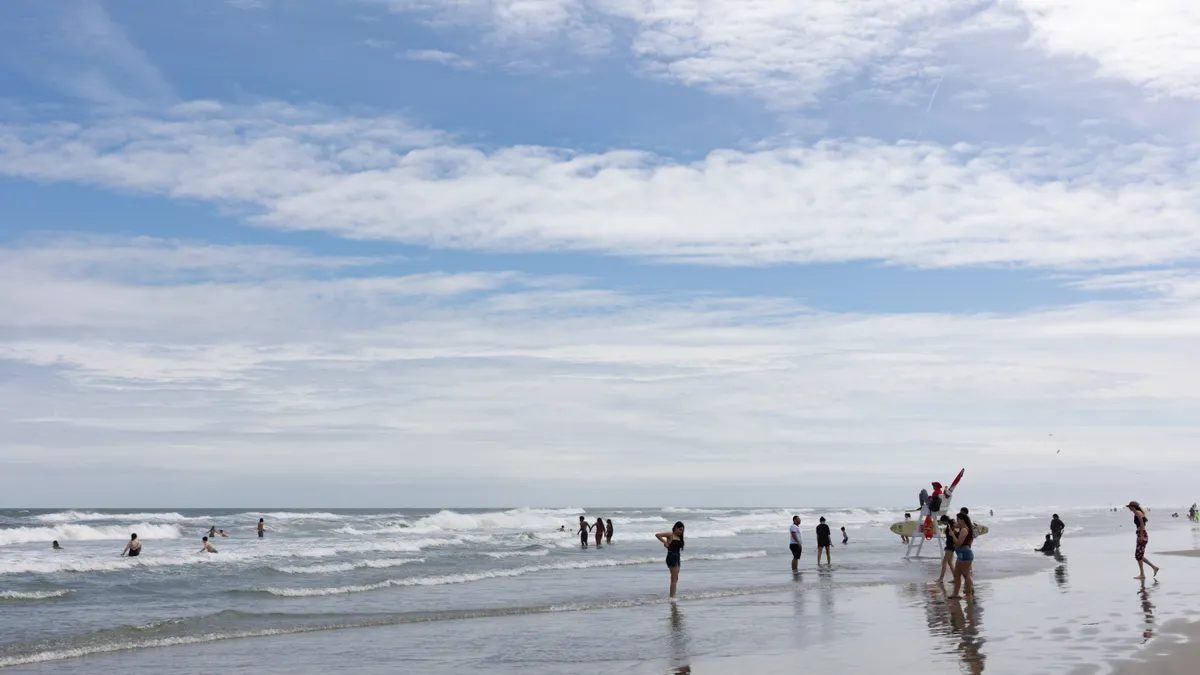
[
  {"x": 673, "y": 542},
  {"x": 948, "y": 554},
  {"x": 962, "y": 569},
  {"x": 1143, "y": 538}
]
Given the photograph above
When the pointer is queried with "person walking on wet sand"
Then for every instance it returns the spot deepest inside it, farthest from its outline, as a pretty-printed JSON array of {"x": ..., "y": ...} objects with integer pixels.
[
  {"x": 608, "y": 531},
  {"x": 673, "y": 542},
  {"x": 584, "y": 529},
  {"x": 1143, "y": 538},
  {"x": 599, "y": 531},
  {"x": 794, "y": 542},
  {"x": 948, "y": 554},
  {"x": 824, "y": 542},
  {"x": 966, "y": 557}
]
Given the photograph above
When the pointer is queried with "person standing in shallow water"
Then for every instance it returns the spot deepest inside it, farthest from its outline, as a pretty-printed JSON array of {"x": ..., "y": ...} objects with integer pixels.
[
  {"x": 966, "y": 557},
  {"x": 584, "y": 529},
  {"x": 599, "y": 531},
  {"x": 133, "y": 548},
  {"x": 1143, "y": 538},
  {"x": 261, "y": 528},
  {"x": 824, "y": 542},
  {"x": 845, "y": 537},
  {"x": 608, "y": 531},
  {"x": 673, "y": 542},
  {"x": 794, "y": 544},
  {"x": 1056, "y": 529}
]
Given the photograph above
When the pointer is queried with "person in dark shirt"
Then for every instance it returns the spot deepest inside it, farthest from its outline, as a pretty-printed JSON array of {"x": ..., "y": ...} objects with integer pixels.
[
  {"x": 1048, "y": 547},
  {"x": 845, "y": 537},
  {"x": 1056, "y": 529},
  {"x": 824, "y": 542}
]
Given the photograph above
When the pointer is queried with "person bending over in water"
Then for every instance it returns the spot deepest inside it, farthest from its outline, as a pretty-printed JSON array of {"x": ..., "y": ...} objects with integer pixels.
[
  {"x": 673, "y": 542},
  {"x": 55, "y": 546},
  {"x": 948, "y": 554},
  {"x": 1049, "y": 546},
  {"x": 608, "y": 531},
  {"x": 599, "y": 528},
  {"x": 208, "y": 547},
  {"x": 133, "y": 548},
  {"x": 966, "y": 557},
  {"x": 824, "y": 542},
  {"x": 212, "y": 531},
  {"x": 584, "y": 529},
  {"x": 1143, "y": 538}
]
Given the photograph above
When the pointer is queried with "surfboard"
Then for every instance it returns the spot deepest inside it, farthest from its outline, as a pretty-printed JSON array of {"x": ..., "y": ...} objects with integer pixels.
[
  {"x": 904, "y": 528},
  {"x": 980, "y": 530}
]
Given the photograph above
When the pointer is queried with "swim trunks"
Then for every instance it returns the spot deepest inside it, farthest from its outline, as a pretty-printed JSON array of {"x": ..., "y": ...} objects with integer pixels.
[
  {"x": 1143, "y": 538},
  {"x": 796, "y": 551}
]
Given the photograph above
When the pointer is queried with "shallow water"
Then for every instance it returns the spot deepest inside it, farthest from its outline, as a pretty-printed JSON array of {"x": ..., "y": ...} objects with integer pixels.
[{"x": 493, "y": 591}]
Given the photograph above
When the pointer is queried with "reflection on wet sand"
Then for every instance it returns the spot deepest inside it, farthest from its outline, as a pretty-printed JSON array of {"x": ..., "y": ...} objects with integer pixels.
[
  {"x": 1148, "y": 623},
  {"x": 959, "y": 620},
  {"x": 1060, "y": 572},
  {"x": 680, "y": 661}
]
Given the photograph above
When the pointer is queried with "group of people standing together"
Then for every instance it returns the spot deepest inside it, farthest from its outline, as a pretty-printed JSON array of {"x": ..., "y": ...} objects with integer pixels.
[
  {"x": 603, "y": 530},
  {"x": 824, "y": 542}
]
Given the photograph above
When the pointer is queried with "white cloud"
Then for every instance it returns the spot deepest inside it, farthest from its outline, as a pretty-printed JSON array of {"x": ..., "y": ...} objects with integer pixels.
[
  {"x": 437, "y": 56},
  {"x": 838, "y": 200},
  {"x": 511, "y": 377},
  {"x": 1150, "y": 44}
]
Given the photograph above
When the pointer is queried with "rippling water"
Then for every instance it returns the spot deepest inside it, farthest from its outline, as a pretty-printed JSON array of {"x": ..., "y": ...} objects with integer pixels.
[{"x": 321, "y": 570}]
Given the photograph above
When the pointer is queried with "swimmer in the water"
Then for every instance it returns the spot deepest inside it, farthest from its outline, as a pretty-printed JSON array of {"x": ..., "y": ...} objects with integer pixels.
[
  {"x": 133, "y": 548},
  {"x": 599, "y": 528},
  {"x": 608, "y": 531},
  {"x": 261, "y": 528},
  {"x": 55, "y": 546},
  {"x": 208, "y": 547},
  {"x": 222, "y": 533},
  {"x": 212, "y": 531}
]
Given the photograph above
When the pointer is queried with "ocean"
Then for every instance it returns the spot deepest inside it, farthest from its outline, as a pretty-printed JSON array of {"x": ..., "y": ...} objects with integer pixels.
[{"x": 502, "y": 590}]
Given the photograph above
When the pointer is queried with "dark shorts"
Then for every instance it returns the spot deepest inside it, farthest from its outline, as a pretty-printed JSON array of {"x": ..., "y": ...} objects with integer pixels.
[
  {"x": 672, "y": 559},
  {"x": 135, "y": 552},
  {"x": 822, "y": 543},
  {"x": 260, "y": 534},
  {"x": 796, "y": 551}
]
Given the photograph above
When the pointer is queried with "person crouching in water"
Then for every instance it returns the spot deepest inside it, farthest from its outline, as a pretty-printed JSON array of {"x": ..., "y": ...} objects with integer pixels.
[
  {"x": 673, "y": 542},
  {"x": 208, "y": 547},
  {"x": 1048, "y": 547}
]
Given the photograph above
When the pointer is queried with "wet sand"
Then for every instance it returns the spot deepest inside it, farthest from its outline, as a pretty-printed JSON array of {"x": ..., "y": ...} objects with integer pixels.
[{"x": 1176, "y": 651}]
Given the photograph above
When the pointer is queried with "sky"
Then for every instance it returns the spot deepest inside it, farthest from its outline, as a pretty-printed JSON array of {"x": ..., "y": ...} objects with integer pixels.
[{"x": 584, "y": 252}]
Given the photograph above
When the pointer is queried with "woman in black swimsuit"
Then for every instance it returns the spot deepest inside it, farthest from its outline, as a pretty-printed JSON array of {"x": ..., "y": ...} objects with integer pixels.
[
  {"x": 673, "y": 542},
  {"x": 948, "y": 554},
  {"x": 608, "y": 531},
  {"x": 1143, "y": 538},
  {"x": 133, "y": 548}
]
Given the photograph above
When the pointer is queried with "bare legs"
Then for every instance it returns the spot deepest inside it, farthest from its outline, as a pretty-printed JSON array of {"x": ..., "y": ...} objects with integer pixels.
[
  {"x": 674, "y": 579},
  {"x": 1142, "y": 569},
  {"x": 826, "y": 549},
  {"x": 947, "y": 566},
  {"x": 962, "y": 577}
]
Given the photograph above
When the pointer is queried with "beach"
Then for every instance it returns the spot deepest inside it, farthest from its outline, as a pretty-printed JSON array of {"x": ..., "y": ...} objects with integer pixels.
[{"x": 486, "y": 598}]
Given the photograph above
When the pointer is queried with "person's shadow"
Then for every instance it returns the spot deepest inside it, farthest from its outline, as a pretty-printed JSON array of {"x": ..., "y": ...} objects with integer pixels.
[
  {"x": 679, "y": 640},
  {"x": 1060, "y": 572}
]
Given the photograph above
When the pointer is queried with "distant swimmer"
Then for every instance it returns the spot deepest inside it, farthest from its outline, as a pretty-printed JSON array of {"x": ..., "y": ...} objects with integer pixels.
[
  {"x": 261, "y": 528},
  {"x": 212, "y": 531},
  {"x": 54, "y": 545},
  {"x": 794, "y": 543},
  {"x": 824, "y": 542},
  {"x": 991, "y": 512},
  {"x": 562, "y": 528},
  {"x": 208, "y": 547},
  {"x": 584, "y": 529},
  {"x": 1048, "y": 546},
  {"x": 1143, "y": 538},
  {"x": 673, "y": 542},
  {"x": 133, "y": 548},
  {"x": 599, "y": 531},
  {"x": 222, "y": 533},
  {"x": 608, "y": 531},
  {"x": 904, "y": 537},
  {"x": 845, "y": 537}
]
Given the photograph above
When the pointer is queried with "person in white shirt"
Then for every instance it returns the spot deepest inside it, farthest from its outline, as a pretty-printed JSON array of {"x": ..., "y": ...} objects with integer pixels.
[{"x": 794, "y": 543}]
